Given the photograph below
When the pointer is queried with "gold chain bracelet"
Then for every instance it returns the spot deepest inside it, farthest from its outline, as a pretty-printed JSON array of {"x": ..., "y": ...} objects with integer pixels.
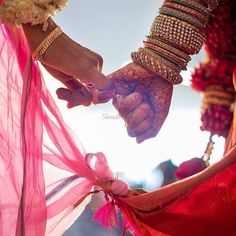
[{"x": 42, "y": 48}]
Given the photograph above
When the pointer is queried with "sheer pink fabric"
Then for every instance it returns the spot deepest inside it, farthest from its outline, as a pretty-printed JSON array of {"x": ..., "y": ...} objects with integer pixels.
[
  {"x": 22, "y": 199},
  {"x": 26, "y": 106}
]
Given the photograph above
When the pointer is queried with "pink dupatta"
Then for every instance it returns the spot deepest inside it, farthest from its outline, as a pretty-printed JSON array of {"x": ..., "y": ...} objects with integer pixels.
[
  {"x": 22, "y": 198},
  {"x": 26, "y": 106}
]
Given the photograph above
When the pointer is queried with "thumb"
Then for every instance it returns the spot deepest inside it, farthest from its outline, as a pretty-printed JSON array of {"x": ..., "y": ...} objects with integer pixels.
[{"x": 99, "y": 80}]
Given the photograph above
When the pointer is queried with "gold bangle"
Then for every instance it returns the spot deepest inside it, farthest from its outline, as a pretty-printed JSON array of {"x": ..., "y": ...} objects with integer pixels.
[
  {"x": 169, "y": 47},
  {"x": 42, "y": 48},
  {"x": 187, "y": 10},
  {"x": 168, "y": 11},
  {"x": 157, "y": 65},
  {"x": 178, "y": 33},
  {"x": 177, "y": 60},
  {"x": 193, "y": 5}
]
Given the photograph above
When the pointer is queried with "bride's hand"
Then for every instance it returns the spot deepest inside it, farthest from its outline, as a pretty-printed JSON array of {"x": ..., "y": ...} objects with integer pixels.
[
  {"x": 77, "y": 67},
  {"x": 143, "y": 100}
]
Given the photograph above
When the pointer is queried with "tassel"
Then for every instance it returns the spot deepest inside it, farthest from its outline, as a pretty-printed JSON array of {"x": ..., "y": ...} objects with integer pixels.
[
  {"x": 107, "y": 215},
  {"x": 196, "y": 165},
  {"x": 190, "y": 167}
]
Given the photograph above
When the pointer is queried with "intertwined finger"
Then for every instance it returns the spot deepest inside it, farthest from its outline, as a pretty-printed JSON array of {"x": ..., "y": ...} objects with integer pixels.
[
  {"x": 126, "y": 104},
  {"x": 142, "y": 127},
  {"x": 140, "y": 113},
  {"x": 75, "y": 97}
]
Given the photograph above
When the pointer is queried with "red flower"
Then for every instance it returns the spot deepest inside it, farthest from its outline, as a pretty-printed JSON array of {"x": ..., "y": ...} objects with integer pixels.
[
  {"x": 191, "y": 167},
  {"x": 217, "y": 120}
]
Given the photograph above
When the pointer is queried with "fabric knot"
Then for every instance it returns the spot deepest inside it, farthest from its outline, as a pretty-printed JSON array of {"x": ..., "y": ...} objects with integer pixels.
[{"x": 119, "y": 188}]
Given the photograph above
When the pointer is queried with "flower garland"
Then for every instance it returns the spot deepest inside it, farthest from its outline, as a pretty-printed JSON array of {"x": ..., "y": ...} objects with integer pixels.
[
  {"x": 17, "y": 12},
  {"x": 214, "y": 78}
]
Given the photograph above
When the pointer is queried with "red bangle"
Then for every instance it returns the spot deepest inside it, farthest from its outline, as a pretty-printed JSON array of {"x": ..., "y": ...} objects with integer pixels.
[
  {"x": 182, "y": 64},
  {"x": 167, "y": 46},
  {"x": 187, "y": 10}
]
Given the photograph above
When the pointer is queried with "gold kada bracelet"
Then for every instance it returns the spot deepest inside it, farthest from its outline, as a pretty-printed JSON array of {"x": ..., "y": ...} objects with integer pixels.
[{"x": 42, "y": 48}]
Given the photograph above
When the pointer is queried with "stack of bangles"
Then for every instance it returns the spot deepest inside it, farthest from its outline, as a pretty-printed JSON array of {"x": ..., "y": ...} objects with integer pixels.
[{"x": 176, "y": 33}]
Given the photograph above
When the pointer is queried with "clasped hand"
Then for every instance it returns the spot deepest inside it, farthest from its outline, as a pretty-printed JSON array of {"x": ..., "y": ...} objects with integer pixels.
[{"x": 141, "y": 98}]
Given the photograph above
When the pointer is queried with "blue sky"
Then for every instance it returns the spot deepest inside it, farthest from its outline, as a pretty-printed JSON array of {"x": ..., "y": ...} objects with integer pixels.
[{"x": 114, "y": 28}]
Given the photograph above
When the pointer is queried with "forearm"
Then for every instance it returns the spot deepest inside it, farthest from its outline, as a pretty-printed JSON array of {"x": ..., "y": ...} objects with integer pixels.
[
  {"x": 35, "y": 35},
  {"x": 176, "y": 34}
]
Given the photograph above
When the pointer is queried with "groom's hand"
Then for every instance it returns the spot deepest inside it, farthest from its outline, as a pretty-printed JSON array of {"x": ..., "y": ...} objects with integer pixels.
[{"x": 143, "y": 100}]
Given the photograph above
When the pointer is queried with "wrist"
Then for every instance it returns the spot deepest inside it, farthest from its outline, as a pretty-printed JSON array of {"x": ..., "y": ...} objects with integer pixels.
[
  {"x": 176, "y": 33},
  {"x": 35, "y": 35}
]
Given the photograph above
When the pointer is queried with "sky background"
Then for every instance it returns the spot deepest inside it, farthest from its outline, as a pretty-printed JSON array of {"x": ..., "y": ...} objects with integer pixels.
[{"x": 115, "y": 29}]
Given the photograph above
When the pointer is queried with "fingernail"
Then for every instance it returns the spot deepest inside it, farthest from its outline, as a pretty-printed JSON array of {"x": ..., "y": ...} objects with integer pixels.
[
  {"x": 106, "y": 96},
  {"x": 70, "y": 105},
  {"x": 139, "y": 140}
]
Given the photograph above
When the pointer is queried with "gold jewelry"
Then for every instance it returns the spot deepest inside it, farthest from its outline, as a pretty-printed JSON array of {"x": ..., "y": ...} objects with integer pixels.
[
  {"x": 166, "y": 61},
  {"x": 42, "y": 48},
  {"x": 188, "y": 10},
  {"x": 170, "y": 48},
  {"x": 157, "y": 65},
  {"x": 182, "y": 64},
  {"x": 178, "y": 33},
  {"x": 193, "y": 5},
  {"x": 183, "y": 17}
]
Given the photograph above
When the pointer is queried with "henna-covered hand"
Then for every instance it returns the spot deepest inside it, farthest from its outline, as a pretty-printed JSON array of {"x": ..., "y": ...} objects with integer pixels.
[{"x": 143, "y": 100}]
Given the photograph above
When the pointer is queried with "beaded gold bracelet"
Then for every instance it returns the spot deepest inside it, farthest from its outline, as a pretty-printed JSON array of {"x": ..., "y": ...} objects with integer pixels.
[
  {"x": 182, "y": 64},
  {"x": 183, "y": 16},
  {"x": 42, "y": 48},
  {"x": 193, "y": 5},
  {"x": 181, "y": 34},
  {"x": 157, "y": 65},
  {"x": 176, "y": 33},
  {"x": 164, "y": 60},
  {"x": 167, "y": 46},
  {"x": 188, "y": 10}
]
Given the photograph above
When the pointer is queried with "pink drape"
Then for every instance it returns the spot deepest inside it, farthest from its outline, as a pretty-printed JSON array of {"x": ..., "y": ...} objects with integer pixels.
[
  {"x": 22, "y": 199},
  {"x": 25, "y": 107}
]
